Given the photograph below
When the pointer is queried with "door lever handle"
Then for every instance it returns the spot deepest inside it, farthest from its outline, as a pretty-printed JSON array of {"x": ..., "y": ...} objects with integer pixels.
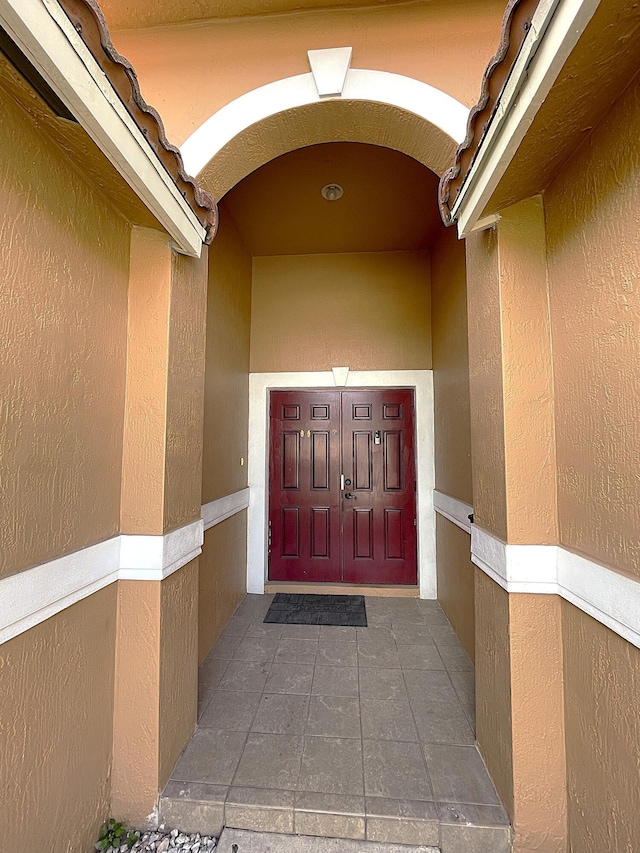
[{"x": 350, "y": 497}]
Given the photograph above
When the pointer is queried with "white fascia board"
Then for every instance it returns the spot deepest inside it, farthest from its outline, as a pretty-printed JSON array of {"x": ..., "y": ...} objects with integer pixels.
[
  {"x": 219, "y": 510},
  {"x": 555, "y": 30},
  {"x": 47, "y": 37},
  {"x": 455, "y": 510}
]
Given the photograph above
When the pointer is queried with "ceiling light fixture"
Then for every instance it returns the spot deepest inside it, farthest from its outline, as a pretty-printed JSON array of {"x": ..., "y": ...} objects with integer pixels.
[{"x": 332, "y": 192}]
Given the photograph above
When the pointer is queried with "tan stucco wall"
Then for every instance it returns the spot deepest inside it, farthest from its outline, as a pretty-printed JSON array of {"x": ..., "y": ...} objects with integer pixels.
[
  {"x": 64, "y": 256},
  {"x": 56, "y": 708},
  {"x": 444, "y": 44},
  {"x": 456, "y": 580},
  {"x": 368, "y": 311},
  {"x": 493, "y": 685},
  {"x": 593, "y": 234},
  {"x": 226, "y": 405},
  {"x": 185, "y": 390},
  {"x": 223, "y": 578},
  {"x": 602, "y": 676},
  {"x": 485, "y": 378}
]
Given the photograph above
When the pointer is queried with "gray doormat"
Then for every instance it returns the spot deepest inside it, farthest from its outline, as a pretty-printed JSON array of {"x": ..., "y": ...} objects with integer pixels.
[{"x": 297, "y": 609}]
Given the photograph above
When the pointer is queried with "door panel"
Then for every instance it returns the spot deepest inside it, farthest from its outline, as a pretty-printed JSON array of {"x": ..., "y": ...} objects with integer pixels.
[
  {"x": 304, "y": 492},
  {"x": 366, "y": 533},
  {"x": 379, "y": 458}
]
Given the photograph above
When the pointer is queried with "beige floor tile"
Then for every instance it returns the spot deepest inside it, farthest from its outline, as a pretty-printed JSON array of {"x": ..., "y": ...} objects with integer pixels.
[
  {"x": 332, "y": 766},
  {"x": 334, "y": 716},
  {"x": 390, "y": 719},
  {"x": 281, "y": 714},
  {"x": 290, "y": 678},
  {"x": 236, "y": 626},
  {"x": 382, "y": 656},
  {"x": 455, "y": 659},
  {"x": 301, "y": 632},
  {"x": 464, "y": 684},
  {"x": 232, "y": 710},
  {"x": 376, "y": 683},
  {"x": 246, "y": 676},
  {"x": 260, "y": 809},
  {"x": 380, "y": 635},
  {"x": 269, "y": 761},
  {"x": 395, "y": 770},
  {"x": 474, "y": 839},
  {"x": 211, "y": 756},
  {"x": 412, "y": 635},
  {"x": 458, "y": 775},
  {"x": 225, "y": 646},
  {"x": 337, "y": 632},
  {"x": 335, "y": 681},
  {"x": 466, "y": 814},
  {"x": 259, "y": 629}
]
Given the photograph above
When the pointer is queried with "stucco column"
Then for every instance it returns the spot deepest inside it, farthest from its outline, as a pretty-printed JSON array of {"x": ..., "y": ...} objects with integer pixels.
[
  {"x": 156, "y": 653},
  {"x": 519, "y": 678}
]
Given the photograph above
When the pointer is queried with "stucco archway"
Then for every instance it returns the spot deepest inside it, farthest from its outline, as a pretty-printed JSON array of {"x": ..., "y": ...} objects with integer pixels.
[{"x": 376, "y": 107}]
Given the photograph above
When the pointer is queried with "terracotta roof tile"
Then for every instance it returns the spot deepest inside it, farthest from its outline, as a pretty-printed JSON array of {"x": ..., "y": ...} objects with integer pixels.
[
  {"x": 89, "y": 21},
  {"x": 515, "y": 25}
]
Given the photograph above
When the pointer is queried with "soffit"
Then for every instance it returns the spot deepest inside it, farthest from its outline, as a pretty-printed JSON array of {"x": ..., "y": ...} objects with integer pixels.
[
  {"x": 603, "y": 62},
  {"x": 133, "y": 14},
  {"x": 389, "y": 202}
]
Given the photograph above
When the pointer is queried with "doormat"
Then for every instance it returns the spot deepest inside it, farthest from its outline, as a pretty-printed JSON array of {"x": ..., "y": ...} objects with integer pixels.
[{"x": 340, "y": 610}]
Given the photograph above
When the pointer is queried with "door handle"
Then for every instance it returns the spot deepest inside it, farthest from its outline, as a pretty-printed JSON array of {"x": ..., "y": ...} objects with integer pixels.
[{"x": 350, "y": 497}]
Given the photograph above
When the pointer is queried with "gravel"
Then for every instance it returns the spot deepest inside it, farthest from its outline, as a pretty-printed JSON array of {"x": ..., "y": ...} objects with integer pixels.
[{"x": 157, "y": 841}]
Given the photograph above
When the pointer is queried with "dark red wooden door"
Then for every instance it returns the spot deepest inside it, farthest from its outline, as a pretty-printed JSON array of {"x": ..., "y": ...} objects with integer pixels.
[
  {"x": 304, "y": 491},
  {"x": 342, "y": 487},
  {"x": 379, "y": 539}
]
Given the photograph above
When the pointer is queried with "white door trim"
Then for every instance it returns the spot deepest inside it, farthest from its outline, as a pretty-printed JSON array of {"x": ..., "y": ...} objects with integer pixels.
[{"x": 259, "y": 386}]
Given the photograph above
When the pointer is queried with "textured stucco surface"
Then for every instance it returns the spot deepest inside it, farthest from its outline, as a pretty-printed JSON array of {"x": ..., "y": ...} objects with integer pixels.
[
  {"x": 493, "y": 685},
  {"x": 368, "y": 311},
  {"x": 226, "y": 406},
  {"x": 56, "y": 713},
  {"x": 456, "y": 580},
  {"x": 63, "y": 277},
  {"x": 444, "y": 44},
  {"x": 593, "y": 234},
  {"x": 485, "y": 381},
  {"x": 537, "y": 717},
  {"x": 530, "y": 461},
  {"x": 327, "y": 121},
  {"x": 143, "y": 458},
  {"x": 602, "y": 674},
  {"x": 450, "y": 367},
  {"x": 178, "y": 686},
  {"x": 223, "y": 578},
  {"x": 185, "y": 390}
]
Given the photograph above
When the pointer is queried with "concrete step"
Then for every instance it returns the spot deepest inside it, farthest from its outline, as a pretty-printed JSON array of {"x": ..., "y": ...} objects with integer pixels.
[{"x": 244, "y": 841}]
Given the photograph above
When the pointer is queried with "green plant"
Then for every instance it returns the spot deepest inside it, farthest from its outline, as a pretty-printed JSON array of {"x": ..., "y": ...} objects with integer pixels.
[{"x": 114, "y": 834}]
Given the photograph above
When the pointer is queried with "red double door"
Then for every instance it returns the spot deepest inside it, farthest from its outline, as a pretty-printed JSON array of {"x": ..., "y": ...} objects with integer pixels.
[{"x": 342, "y": 487}]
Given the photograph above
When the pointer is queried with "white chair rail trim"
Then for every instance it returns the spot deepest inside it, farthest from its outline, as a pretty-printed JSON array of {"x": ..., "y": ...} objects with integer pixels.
[
  {"x": 600, "y": 591},
  {"x": 216, "y": 511},
  {"x": 455, "y": 510}
]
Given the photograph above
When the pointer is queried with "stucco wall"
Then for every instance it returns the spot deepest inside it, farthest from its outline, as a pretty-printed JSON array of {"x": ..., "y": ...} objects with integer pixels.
[
  {"x": 64, "y": 256},
  {"x": 368, "y": 311},
  {"x": 444, "y": 44},
  {"x": 223, "y": 578},
  {"x": 593, "y": 235},
  {"x": 227, "y": 363},
  {"x": 452, "y": 429},
  {"x": 602, "y": 685},
  {"x": 56, "y": 708}
]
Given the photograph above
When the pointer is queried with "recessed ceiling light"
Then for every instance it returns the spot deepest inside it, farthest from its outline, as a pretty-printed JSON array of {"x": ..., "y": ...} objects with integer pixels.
[{"x": 332, "y": 192}]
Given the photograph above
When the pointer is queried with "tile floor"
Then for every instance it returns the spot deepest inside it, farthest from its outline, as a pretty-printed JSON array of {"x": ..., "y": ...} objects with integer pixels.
[{"x": 343, "y": 732}]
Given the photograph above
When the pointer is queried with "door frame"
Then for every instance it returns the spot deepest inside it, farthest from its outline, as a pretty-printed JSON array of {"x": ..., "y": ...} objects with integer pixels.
[{"x": 260, "y": 384}]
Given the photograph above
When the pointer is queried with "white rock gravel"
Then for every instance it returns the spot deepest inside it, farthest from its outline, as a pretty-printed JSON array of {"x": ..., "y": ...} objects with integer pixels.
[{"x": 157, "y": 841}]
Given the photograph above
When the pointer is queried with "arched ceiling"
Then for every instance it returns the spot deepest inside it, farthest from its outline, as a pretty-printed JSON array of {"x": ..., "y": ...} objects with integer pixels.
[{"x": 389, "y": 202}]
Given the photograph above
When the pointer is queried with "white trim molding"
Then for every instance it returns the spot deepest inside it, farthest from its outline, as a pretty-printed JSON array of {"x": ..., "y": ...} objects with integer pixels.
[
  {"x": 603, "y": 593},
  {"x": 259, "y": 386},
  {"x": 216, "y": 511},
  {"x": 456, "y": 511},
  {"x": 46, "y": 36},
  {"x": 33, "y": 595},
  {"x": 407, "y": 93},
  {"x": 556, "y": 27}
]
